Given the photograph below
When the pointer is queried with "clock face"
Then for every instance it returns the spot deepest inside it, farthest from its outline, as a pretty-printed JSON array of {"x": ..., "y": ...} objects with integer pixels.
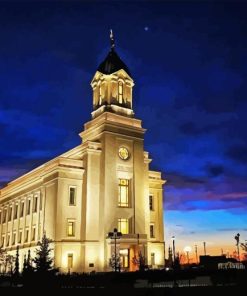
[{"x": 123, "y": 153}]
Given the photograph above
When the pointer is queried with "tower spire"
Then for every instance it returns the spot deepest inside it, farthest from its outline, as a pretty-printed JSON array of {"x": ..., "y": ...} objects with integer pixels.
[{"x": 112, "y": 40}]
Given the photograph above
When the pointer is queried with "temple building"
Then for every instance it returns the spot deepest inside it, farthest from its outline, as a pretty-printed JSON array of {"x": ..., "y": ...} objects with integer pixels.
[{"x": 102, "y": 184}]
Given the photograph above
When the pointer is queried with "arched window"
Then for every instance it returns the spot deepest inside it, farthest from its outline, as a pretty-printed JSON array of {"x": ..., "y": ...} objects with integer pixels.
[{"x": 120, "y": 92}]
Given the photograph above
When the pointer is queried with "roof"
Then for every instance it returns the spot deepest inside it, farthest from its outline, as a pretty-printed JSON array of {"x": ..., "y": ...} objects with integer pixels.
[{"x": 112, "y": 63}]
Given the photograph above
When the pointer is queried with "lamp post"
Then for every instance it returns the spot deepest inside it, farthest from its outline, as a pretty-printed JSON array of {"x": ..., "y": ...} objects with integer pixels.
[
  {"x": 196, "y": 254},
  {"x": 187, "y": 250},
  {"x": 115, "y": 235},
  {"x": 173, "y": 249},
  {"x": 204, "y": 247}
]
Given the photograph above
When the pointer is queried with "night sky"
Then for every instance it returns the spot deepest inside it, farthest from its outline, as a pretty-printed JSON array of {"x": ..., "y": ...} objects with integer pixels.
[{"x": 188, "y": 61}]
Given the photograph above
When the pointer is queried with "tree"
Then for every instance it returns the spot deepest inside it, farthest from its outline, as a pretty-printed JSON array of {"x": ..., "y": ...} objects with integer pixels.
[
  {"x": 115, "y": 262},
  {"x": 2, "y": 259},
  {"x": 139, "y": 261},
  {"x": 17, "y": 265},
  {"x": 43, "y": 260}
]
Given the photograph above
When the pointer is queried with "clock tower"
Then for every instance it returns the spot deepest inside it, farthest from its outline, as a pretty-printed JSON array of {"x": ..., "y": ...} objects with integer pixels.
[{"x": 119, "y": 190}]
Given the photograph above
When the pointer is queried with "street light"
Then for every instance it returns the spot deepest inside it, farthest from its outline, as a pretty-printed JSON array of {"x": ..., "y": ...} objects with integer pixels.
[
  {"x": 115, "y": 235},
  {"x": 187, "y": 250}
]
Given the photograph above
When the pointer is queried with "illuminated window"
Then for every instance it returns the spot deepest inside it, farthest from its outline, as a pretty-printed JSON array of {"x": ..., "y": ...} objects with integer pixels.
[
  {"x": 35, "y": 202},
  {"x": 70, "y": 261},
  {"x": 71, "y": 228},
  {"x": 120, "y": 92},
  {"x": 22, "y": 209},
  {"x": 100, "y": 95},
  {"x": 123, "y": 193},
  {"x": 124, "y": 258},
  {"x": 123, "y": 225},
  {"x": 152, "y": 258},
  {"x": 13, "y": 238},
  {"x": 72, "y": 196},
  {"x": 10, "y": 214},
  {"x": 20, "y": 237},
  {"x": 26, "y": 235},
  {"x": 152, "y": 230},
  {"x": 151, "y": 202},
  {"x": 16, "y": 211},
  {"x": 28, "y": 206}
]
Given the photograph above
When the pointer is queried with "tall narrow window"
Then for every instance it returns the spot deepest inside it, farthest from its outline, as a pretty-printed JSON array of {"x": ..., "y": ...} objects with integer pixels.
[
  {"x": 100, "y": 95},
  {"x": 22, "y": 209},
  {"x": 0, "y": 217},
  {"x": 20, "y": 237},
  {"x": 28, "y": 206},
  {"x": 27, "y": 235},
  {"x": 13, "y": 238},
  {"x": 2, "y": 242},
  {"x": 152, "y": 230},
  {"x": 16, "y": 211},
  {"x": 123, "y": 193},
  {"x": 120, "y": 92},
  {"x": 70, "y": 261},
  {"x": 72, "y": 196},
  {"x": 151, "y": 202},
  {"x": 4, "y": 215},
  {"x": 123, "y": 225},
  {"x": 35, "y": 202},
  {"x": 10, "y": 214},
  {"x": 8, "y": 240},
  {"x": 33, "y": 233},
  {"x": 152, "y": 258},
  {"x": 71, "y": 228},
  {"x": 40, "y": 202}
]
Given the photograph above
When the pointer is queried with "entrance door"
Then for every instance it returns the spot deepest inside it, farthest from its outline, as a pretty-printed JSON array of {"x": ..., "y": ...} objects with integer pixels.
[{"x": 124, "y": 258}]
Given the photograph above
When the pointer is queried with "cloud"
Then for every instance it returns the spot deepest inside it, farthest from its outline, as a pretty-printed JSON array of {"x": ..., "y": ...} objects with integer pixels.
[{"x": 238, "y": 153}]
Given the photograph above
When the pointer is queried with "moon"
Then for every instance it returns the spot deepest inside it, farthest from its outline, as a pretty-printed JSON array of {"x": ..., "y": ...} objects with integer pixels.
[{"x": 146, "y": 28}]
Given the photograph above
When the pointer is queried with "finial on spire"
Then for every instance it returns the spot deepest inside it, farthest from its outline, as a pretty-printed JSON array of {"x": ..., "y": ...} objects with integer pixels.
[{"x": 112, "y": 39}]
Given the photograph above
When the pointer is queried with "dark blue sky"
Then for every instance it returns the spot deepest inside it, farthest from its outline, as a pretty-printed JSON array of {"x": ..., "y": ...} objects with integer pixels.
[{"x": 189, "y": 64}]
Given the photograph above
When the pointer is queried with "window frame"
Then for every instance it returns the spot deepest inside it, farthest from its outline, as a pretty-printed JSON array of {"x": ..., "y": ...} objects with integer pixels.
[
  {"x": 122, "y": 221},
  {"x": 120, "y": 94},
  {"x": 75, "y": 193},
  {"x": 153, "y": 230},
  {"x": 68, "y": 228},
  {"x": 151, "y": 198},
  {"x": 122, "y": 204}
]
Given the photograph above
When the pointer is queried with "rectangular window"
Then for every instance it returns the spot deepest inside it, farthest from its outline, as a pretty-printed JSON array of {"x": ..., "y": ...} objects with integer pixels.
[
  {"x": 20, "y": 237},
  {"x": 123, "y": 225},
  {"x": 71, "y": 228},
  {"x": 151, "y": 202},
  {"x": 152, "y": 230},
  {"x": 152, "y": 258},
  {"x": 16, "y": 211},
  {"x": 70, "y": 261},
  {"x": 72, "y": 196},
  {"x": 26, "y": 235},
  {"x": 4, "y": 215},
  {"x": 33, "y": 233},
  {"x": 28, "y": 206},
  {"x": 40, "y": 202},
  {"x": 123, "y": 192},
  {"x": 9, "y": 214},
  {"x": 13, "y": 238},
  {"x": 0, "y": 217},
  {"x": 35, "y": 202},
  {"x": 22, "y": 209},
  {"x": 120, "y": 92},
  {"x": 2, "y": 242},
  {"x": 8, "y": 240}
]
